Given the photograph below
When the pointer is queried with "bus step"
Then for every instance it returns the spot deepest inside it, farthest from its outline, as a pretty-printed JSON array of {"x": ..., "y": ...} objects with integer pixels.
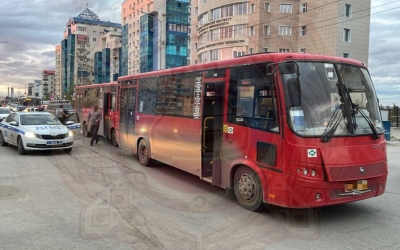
[{"x": 208, "y": 179}]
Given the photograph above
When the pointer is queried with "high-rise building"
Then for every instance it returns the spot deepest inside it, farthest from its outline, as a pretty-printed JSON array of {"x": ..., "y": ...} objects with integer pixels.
[
  {"x": 105, "y": 56},
  {"x": 57, "y": 82},
  {"x": 155, "y": 35},
  {"x": 48, "y": 80},
  {"x": 224, "y": 29},
  {"x": 81, "y": 34}
]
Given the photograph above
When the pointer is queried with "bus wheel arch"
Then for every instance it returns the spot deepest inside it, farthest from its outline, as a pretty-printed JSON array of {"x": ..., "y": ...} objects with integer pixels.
[
  {"x": 113, "y": 135},
  {"x": 248, "y": 187},
  {"x": 143, "y": 151}
]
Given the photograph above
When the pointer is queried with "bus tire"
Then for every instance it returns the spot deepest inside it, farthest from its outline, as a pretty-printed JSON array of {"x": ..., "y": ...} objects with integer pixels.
[
  {"x": 2, "y": 141},
  {"x": 248, "y": 189},
  {"x": 114, "y": 138},
  {"x": 86, "y": 133},
  {"x": 143, "y": 153}
]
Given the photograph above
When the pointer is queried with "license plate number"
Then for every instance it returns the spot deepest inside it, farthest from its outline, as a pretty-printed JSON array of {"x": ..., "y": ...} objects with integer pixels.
[
  {"x": 54, "y": 142},
  {"x": 359, "y": 186}
]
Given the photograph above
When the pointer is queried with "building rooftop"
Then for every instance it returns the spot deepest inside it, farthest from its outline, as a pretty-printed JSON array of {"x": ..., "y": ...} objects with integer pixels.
[{"x": 89, "y": 17}]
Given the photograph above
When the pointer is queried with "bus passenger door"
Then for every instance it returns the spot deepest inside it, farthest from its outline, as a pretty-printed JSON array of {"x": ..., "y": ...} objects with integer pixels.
[
  {"x": 106, "y": 115},
  {"x": 131, "y": 118},
  {"x": 212, "y": 124},
  {"x": 127, "y": 117}
]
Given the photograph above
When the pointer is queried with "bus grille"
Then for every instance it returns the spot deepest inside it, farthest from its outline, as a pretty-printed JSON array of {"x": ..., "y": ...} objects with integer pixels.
[{"x": 266, "y": 153}]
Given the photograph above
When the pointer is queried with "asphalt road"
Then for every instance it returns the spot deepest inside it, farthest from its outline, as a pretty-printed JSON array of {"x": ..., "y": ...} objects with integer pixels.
[{"x": 101, "y": 198}]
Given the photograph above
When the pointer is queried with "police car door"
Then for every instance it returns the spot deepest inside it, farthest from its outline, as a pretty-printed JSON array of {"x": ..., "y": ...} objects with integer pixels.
[
  {"x": 14, "y": 129},
  {"x": 7, "y": 128},
  {"x": 74, "y": 125}
]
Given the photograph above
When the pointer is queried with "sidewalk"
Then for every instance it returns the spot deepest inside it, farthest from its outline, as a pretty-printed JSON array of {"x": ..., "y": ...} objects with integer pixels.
[{"x": 395, "y": 134}]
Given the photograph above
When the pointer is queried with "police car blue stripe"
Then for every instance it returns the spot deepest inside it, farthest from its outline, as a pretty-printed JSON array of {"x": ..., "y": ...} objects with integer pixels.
[
  {"x": 13, "y": 129},
  {"x": 74, "y": 127}
]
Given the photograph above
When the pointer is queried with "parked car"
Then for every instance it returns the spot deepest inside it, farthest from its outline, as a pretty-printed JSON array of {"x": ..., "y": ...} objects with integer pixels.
[
  {"x": 52, "y": 107},
  {"x": 36, "y": 131},
  {"x": 4, "y": 112}
]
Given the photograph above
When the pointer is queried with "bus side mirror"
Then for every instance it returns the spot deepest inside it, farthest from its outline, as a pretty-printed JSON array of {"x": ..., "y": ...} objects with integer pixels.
[{"x": 294, "y": 93}]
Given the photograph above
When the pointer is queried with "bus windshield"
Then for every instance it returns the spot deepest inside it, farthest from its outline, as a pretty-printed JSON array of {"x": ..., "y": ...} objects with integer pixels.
[{"x": 323, "y": 102}]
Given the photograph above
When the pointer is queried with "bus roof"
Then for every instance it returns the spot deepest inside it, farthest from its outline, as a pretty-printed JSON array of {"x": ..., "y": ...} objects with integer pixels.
[{"x": 255, "y": 58}]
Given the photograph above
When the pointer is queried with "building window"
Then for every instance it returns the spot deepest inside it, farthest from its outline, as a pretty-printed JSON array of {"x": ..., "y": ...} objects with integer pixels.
[
  {"x": 267, "y": 7},
  {"x": 265, "y": 49},
  {"x": 252, "y": 8},
  {"x": 94, "y": 39},
  {"x": 285, "y": 8},
  {"x": 303, "y": 30},
  {"x": 346, "y": 35},
  {"x": 251, "y": 31},
  {"x": 250, "y": 51},
  {"x": 302, "y": 50},
  {"x": 303, "y": 7},
  {"x": 346, "y": 55},
  {"x": 284, "y": 50},
  {"x": 266, "y": 30},
  {"x": 347, "y": 11},
  {"x": 285, "y": 30}
]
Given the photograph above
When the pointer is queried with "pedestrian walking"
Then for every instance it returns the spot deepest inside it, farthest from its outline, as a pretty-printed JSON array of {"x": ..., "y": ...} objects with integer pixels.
[{"x": 94, "y": 119}]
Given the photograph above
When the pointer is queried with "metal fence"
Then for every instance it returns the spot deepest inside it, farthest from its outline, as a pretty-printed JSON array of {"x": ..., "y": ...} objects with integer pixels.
[{"x": 394, "y": 114}]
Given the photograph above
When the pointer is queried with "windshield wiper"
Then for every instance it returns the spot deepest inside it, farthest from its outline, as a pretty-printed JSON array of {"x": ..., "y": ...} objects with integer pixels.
[
  {"x": 348, "y": 110},
  {"x": 333, "y": 124},
  {"x": 375, "y": 135}
]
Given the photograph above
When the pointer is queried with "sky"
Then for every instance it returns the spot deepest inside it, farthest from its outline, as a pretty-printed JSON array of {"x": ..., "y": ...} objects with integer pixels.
[{"x": 30, "y": 30}]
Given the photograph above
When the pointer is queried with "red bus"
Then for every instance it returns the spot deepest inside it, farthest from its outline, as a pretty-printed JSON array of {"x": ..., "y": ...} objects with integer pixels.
[
  {"x": 293, "y": 130},
  {"x": 104, "y": 96}
]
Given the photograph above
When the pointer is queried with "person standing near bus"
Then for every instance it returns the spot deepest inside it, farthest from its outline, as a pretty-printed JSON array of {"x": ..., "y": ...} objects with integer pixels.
[
  {"x": 61, "y": 114},
  {"x": 94, "y": 119}
]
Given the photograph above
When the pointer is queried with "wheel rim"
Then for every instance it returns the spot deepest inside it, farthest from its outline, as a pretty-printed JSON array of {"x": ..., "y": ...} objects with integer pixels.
[
  {"x": 143, "y": 153},
  {"x": 247, "y": 187}
]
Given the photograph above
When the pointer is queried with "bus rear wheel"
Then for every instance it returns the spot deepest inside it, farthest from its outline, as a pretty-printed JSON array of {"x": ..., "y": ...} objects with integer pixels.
[
  {"x": 114, "y": 138},
  {"x": 248, "y": 189},
  {"x": 143, "y": 153}
]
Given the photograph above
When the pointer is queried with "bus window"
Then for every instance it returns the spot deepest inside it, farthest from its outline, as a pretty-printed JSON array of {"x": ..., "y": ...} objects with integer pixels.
[{"x": 252, "y": 99}]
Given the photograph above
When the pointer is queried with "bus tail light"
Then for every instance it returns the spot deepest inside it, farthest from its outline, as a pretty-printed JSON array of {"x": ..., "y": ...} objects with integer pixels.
[{"x": 307, "y": 171}]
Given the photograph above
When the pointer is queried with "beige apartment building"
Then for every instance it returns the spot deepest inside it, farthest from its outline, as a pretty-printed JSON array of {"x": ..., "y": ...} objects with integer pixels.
[
  {"x": 57, "y": 81},
  {"x": 225, "y": 29},
  {"x": 48, "y": 81}
]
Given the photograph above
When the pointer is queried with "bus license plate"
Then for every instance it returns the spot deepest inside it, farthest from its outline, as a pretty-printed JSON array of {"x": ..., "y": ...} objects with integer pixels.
[
  {"x": 359, "y": 186},
  {"x": 54, "y": 142}
]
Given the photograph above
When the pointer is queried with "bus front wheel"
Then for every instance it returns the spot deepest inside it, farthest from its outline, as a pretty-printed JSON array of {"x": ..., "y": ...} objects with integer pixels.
[
  {"x": 143, "y": 153},
  {"x": 248, "y": 189}
]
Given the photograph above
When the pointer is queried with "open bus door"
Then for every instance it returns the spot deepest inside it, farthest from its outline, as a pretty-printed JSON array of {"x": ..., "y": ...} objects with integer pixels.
[
  {"x": 106, "y": 115},
  {"x": 212, "y": 128}
]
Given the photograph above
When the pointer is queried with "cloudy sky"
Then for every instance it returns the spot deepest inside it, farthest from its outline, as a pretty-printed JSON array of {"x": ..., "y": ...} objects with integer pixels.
[{"x": 32, "y": 29}]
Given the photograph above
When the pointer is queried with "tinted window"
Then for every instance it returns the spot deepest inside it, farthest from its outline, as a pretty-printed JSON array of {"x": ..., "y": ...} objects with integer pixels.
[
  {"x": 10, "y": 118},
  {"x": 147, "y": 95}
]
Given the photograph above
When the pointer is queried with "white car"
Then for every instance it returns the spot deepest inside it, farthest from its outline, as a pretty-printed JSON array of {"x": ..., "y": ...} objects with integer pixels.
[
  {"x": 36, "y": 131},
  {"x": 4, "y": 112}
]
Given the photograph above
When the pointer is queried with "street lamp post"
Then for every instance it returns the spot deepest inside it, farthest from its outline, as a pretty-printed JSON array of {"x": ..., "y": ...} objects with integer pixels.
[{"x": 160, "y": 35}]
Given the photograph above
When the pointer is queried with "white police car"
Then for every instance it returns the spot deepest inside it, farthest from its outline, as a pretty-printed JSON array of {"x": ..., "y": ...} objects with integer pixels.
[{"x": 36, "y": 131}]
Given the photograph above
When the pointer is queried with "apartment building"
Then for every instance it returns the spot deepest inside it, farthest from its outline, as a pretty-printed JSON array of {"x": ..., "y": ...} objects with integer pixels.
[
  {"x": 48, "y": 80},
  {"x": 155, "y": 35},
  {"x": 224, "y": 29},
  {"x": 58, "y": 90},
  {"x": 82, "y": 33}
]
